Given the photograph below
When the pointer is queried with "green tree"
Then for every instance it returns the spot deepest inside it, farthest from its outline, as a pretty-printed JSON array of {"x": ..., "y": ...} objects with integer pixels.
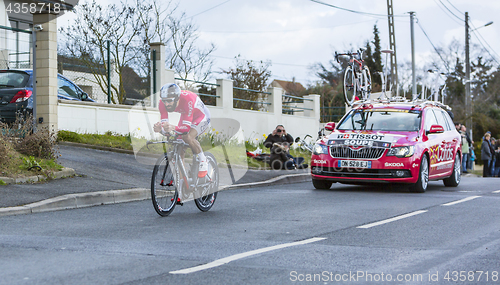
[
  {"x": 330, "y": 89},
  {"x": 374, "y": 60}
]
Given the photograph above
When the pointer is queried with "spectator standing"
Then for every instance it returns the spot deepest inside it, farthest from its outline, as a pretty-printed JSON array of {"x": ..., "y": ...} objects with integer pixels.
[
  {"x": 465, "y": 148},
  {"x": 493, "y": 143},
  {"x": 486, "y": 154},
  {"x": 496, "y": 172}
]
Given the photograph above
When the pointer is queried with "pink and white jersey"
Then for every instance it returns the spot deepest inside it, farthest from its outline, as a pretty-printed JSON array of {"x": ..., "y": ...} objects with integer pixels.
[{"x": 192, "y": 110}]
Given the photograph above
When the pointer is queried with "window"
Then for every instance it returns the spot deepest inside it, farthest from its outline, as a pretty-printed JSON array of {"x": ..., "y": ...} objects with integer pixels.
[
  {"x": 448, "y": 120},
  {"x": 12, "y": 79},
  {"x": 66, "y": 88},
  {"x": 19, "y": 45},
  {"x": 430, "y": 119},
  {"x": 382, "y": 120},
  {"x": 441, "y": 119}
]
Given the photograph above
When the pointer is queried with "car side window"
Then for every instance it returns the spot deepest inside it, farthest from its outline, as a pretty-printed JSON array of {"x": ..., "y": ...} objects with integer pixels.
[
  {"x": 448, "y": 120},
  {"x": 66, "y": 88},
  {"x": 442, "y": 113},
  {"x": 430, "y": 119},
  {"x": 441, "y": 120}
]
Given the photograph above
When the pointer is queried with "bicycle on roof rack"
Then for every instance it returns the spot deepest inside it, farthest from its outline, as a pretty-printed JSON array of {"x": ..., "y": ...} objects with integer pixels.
[
  {"x": 383, "y": 75},
  {"x": 357, "y": 78},
  {"x": 172, "y": 183}
]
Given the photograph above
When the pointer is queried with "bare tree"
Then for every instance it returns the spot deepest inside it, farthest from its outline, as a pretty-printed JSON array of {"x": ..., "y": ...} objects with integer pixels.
[
  {"x": 131, "y": 29},
  {"x": 184, "y": 57}
]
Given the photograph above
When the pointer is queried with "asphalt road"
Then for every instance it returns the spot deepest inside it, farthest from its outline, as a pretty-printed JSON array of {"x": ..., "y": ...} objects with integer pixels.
[
  {"x": 99, "y": 170},
  {"x": 284, "y": 234}
]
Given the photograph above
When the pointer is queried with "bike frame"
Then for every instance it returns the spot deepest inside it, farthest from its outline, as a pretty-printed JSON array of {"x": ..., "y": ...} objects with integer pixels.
[{"x": 358, "y": 72}]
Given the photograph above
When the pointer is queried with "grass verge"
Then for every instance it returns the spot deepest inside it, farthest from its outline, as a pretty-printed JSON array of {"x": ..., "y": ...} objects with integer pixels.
[{"x": 235, "y": 151}]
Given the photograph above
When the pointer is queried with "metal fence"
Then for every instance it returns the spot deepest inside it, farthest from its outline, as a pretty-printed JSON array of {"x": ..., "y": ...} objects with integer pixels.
[
  {"x": 92, "y": 78},
  {"x": 15, "y": 46},
  {"x": 332, "y": 114}
]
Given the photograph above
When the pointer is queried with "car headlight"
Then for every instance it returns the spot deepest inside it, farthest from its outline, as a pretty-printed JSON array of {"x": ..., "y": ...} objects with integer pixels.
[
  {"x": 320, "y": 149},
  {"x": 402, "y": 151}
]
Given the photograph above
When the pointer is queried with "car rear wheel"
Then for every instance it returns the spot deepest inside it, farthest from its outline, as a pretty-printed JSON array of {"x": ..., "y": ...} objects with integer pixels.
[
  {"x": 456, "y": 175},
  {"x": 322, "y": 184},
  {"x": 423, "y": 177}
]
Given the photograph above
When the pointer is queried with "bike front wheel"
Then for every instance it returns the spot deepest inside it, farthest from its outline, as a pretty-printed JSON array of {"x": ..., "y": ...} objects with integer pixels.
[
  {"x": 349, "y": 85},
  {"x": 164, "y": 192},
  {"x": 209, "y": 192}
]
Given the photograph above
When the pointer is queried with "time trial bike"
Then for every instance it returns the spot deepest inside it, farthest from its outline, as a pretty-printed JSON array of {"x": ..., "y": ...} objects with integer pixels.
[{"x": 172, "y": 183}]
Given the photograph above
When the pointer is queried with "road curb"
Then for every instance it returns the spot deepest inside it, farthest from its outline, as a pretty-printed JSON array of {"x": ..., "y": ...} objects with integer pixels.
[
  {"x": 65, "y": 172},
  {"x": 82, "y": 200}
]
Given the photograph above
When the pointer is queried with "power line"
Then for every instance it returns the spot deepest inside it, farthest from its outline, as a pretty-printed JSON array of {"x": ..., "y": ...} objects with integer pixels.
[
  {"x": 447, "y": 14},
  {"x": 272, "y": 63},
  {"x": 284, "y": 31},
  {"x": 479, "y": 37},
  {"x": 455, "y": 8},
  {"x": 354, "y": 11},
  {"x": 437, "y": 51},
  {"x": 209, "y": 9},
  {"x": 451, "y": 12}
]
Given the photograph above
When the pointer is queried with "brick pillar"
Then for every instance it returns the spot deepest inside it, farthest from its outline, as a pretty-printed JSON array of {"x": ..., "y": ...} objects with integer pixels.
[{"x": 46, "y": 70}]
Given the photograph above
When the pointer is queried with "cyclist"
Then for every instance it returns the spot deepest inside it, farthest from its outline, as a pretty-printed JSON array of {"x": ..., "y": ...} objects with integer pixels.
[{"x": 194, "y": 120}]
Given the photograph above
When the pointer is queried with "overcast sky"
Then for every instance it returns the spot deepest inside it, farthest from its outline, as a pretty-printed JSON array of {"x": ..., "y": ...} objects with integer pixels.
[{"x": 294, "y": 34}]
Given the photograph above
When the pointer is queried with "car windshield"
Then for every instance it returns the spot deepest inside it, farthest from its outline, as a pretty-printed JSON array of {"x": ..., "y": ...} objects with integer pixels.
[
  {"x": 13, "y": 79},
  {"x": 382, "y": 120}
]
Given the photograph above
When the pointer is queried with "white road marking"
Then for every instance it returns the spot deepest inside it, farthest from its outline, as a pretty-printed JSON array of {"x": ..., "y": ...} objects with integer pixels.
[
  {"x": 461, "y": 201},
  {"x": 392, "y": 219},
  {"x": 228, "y": 259},
  {"x": 498, "y": 191}
]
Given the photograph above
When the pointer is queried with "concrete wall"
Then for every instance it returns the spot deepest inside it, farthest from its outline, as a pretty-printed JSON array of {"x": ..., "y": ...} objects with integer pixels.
[{"x": 88, "y": 117}]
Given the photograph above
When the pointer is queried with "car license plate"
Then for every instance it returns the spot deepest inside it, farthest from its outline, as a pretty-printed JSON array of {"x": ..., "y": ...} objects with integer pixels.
[{"x": 355, "y": 163}]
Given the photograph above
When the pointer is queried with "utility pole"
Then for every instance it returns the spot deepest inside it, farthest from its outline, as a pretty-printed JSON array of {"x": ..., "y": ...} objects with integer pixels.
[
  {"x": 392, "y": 46},
  {"x": 413, "y": 75},
  {"x": 468, "y": 101}
]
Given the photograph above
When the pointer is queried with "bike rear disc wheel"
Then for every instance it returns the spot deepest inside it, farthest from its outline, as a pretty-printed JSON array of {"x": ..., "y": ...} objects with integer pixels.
[
  {"x": 349, "y": 86},
  {"x": 206, "y": 202},
  {"x": 164, "y": 192},
  {"x": 367, "y": 83}
]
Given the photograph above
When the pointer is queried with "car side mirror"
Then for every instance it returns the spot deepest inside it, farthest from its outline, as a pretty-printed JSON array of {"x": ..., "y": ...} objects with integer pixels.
[
  {"x": 84, "y": 96},
  {"x": 436, "y": 129},
  {"x": 330, "y": 126}
]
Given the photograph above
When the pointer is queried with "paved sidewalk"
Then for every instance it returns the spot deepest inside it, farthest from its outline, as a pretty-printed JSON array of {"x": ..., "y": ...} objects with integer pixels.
[{"x": 122, "y": 179}]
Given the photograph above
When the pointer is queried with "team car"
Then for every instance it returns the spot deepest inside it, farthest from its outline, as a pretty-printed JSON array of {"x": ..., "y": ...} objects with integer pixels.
[{"x": 390, "y": 142}]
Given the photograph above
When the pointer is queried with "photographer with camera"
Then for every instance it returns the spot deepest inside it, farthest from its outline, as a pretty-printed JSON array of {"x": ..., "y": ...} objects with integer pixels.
[{"x": 279, "y": 141}]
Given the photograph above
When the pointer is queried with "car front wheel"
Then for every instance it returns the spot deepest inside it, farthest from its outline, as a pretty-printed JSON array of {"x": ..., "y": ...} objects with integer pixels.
[
  {"x": 423, "y": 177},
  {"x": 321, "y": 184}
]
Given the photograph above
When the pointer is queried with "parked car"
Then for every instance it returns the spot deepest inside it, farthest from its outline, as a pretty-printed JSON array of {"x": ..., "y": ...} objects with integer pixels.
[
  {"x": 16, "y": 89},
  {"x": 395, "y": 142}
]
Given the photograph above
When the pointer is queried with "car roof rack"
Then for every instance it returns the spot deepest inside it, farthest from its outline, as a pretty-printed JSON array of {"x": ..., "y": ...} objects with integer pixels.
[
  {"x": 422, "y": 103},
  {"x": 399, "y": 99}
]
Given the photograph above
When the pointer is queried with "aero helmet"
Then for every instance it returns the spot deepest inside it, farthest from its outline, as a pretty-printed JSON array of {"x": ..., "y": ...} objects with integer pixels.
[{"x": 170, "y": 91}]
